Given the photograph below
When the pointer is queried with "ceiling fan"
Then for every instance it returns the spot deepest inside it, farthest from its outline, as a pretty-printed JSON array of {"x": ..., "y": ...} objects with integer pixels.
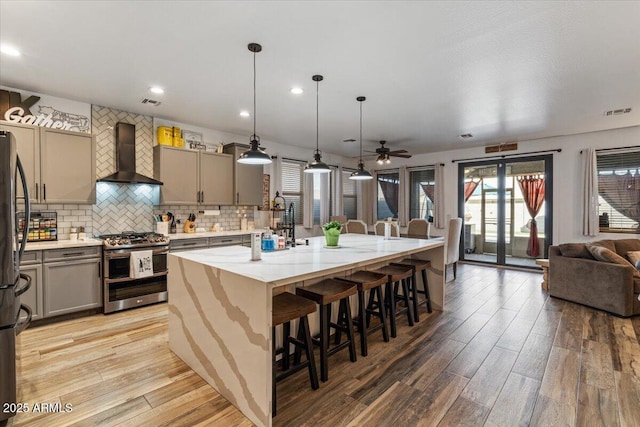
[{"x": 384, "y": 154}]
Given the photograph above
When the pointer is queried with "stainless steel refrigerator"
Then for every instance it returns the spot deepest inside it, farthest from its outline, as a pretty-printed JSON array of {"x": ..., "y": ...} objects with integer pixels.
[{"x": 12, "y": 282}]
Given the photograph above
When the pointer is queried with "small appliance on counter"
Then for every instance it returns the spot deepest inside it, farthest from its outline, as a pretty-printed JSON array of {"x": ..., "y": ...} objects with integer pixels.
[{"x": 43, "y": 226}]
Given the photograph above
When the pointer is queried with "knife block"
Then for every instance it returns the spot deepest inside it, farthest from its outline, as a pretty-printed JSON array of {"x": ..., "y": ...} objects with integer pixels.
[{"x": 189, "y": 226}]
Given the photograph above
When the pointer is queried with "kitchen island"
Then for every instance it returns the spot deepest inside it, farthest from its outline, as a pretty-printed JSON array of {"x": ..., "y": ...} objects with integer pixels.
[{"x": 220, "y": 305}]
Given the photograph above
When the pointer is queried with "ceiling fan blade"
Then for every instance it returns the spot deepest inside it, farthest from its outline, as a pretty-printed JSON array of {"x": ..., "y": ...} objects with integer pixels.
[
  {"x": 397, "y": 152},
  {"x": 368, "y": 151},
  {"x": 406, "y": 156}
]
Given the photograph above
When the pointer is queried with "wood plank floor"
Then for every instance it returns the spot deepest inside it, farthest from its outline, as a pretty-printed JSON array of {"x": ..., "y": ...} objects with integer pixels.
[{"x": 502, "y": 354}]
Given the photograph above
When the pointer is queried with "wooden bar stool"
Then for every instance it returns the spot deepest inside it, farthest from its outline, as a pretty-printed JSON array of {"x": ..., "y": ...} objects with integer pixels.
[
  {"x": 324, "y": 293},
  {"x": 395, "y": 277},
  {"x": 372, "y": 282},
  {"x": 287, "y": 307},
  {"x": 418, "y": 265}
]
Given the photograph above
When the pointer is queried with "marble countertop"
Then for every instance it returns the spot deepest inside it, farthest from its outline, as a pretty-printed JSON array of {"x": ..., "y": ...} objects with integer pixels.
[
  {"x": 304, "y": 262},
  {"x": 62, "y": 244}
]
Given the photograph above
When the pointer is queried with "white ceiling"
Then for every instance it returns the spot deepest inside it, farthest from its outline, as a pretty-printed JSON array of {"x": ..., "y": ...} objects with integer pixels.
[{"x": 431, "y": 71}]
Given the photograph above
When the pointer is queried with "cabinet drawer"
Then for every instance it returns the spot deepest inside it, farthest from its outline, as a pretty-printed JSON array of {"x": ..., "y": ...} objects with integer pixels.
[
  {"x": 186, "y": 244},
  {"x": 225, "y": 241},
  {"x": 72, "y": 253},
  {"x": 71, "y": 286},
  {"x": 31, "y": 257}
]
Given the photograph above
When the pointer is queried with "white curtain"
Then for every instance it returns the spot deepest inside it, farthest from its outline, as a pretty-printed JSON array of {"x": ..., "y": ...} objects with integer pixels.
[
  {"x": 590, "y": 225},
  {"x": 366, "y": 191},
  {"x": 337, "y": 206},
  {"x": 307, "y": 209},
  {"x": 325, "y": 197},
  {"x": 403, "y": 196},
  {"x": 438, "y": 220},
  {"x": 276, "y": 177}
]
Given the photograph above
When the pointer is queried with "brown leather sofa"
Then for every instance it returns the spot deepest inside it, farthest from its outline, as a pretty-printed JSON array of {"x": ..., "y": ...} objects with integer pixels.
[{"x": 575, "y": 275}]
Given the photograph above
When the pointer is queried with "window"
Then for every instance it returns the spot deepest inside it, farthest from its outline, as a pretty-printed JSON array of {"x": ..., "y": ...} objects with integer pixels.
[
  {"x": 388, "y": 187},
  {"x": 619, "y": 191},
  {"x": 292, "y": 186},
  {"x": 349, "y": 196},
  {"x": 421, "y": 193}
]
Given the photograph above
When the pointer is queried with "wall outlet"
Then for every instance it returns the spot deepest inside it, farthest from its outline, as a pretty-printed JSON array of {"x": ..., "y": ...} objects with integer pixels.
[{"x": 210, "y": 212}]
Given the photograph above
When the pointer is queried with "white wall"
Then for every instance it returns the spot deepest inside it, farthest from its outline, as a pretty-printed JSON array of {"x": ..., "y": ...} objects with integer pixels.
[{"x": 567, "y": 216}]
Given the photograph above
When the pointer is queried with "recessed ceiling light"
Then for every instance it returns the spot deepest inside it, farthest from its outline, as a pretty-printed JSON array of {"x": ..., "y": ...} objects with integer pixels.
[
  {"x": 9, "y": 50},
  {"x": 466, "y": 136},
  {"x": 244, "y": 113},
  {"x": 296, "y": 90},
  {"x": 156, "y": 89}
]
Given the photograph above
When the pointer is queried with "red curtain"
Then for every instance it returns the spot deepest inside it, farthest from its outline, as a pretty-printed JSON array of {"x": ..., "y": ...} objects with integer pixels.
[
  {"x": 429, "y": 190},
  {"x": 469, "y": 188},
  {"x": 532, "y": 188}
]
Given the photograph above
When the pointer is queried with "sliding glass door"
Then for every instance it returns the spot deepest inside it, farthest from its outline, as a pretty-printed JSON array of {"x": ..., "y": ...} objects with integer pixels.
[{"x": 506, "y": 210}]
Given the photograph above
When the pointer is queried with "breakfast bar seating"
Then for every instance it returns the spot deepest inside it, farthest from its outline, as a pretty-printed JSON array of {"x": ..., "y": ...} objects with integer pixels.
[
  {"x": 418, "y": 265},
  {"x": 324, "y": 294},
  {"x": 397, "y": 276},
  {"x": 372, "y": 282},
  {"x": 288, "y": 307}
]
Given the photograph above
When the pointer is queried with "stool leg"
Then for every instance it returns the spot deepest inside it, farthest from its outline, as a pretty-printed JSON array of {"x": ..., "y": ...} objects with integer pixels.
[
  {"x": 391, "y": 305},
  {"x": 337, "y": 338},
  {"x": 325, "y": 313},
  {"x": 414, "y": 293},
  {"x": 303, "y": 329},
  {"x": 383, "y": 314},
  {"x": 297, "y": 351},
  {"x": 370, "y": 305},
  {"x": 352, "y": 343},
  {"x": 286, "y": 334},
  {"x": 405, "y": 291},
  {"x": 273, "y": 372},
  {"x": 425, "y": 282},
  {"x": 363, "y": 323}
]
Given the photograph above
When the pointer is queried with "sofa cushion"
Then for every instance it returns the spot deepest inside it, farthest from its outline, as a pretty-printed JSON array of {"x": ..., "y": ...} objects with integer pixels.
[
  {"x": 605, "y": 244},
  {"x": 603, "y": 254},
  {"x": 627, "y": 245},
  {"x": 575, "y": 250},
  {"x": 634, "y": 257}
]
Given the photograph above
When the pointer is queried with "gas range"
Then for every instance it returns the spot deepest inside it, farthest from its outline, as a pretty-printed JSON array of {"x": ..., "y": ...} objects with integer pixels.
[{"x": 130, "y": 240}]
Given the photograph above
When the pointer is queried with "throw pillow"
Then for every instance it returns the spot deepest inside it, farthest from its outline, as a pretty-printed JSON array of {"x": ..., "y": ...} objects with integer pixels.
[
  {"x": 575, "y": 250},
  {"x": 605, "y": 244},
  {"x": 604, "y": 254},
  {"x": 634, "y": 257}
]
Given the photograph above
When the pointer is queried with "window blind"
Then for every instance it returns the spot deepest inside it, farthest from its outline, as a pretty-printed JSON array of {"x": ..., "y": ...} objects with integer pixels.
[
  {"x": 619, "y": 191},
  {"x": 349, "y": 197},
  {"x": 292, "y": 187}
]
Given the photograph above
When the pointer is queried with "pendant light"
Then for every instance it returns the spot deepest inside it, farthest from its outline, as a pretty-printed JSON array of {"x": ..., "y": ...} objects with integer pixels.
[
  {"x": 317, "y": 165},
  {"x": 361, "y": 174},
  {"x": 255, "y": 155}
]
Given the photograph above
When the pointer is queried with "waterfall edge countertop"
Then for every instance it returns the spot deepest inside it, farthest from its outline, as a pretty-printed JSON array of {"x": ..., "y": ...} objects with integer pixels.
[
  {"x": 304, "y": 262},
  {"x": 220, "y": 305}
]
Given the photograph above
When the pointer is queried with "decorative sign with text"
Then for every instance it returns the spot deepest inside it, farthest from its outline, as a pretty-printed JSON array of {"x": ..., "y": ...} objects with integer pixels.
[{"x": 16, "y": 110}]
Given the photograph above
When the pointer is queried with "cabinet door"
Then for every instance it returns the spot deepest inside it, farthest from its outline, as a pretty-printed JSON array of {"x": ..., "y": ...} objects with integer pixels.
[
  {"x": 71, "y": 286},
  {"x": 248, "y": 184},
  {"x": 33, "y": 297},
  {"x": 177, "y": 168},
  {"x": 68, "y": 167},
  {"x": 28, "y": 147},
  {"x": 216, "y": 179}
]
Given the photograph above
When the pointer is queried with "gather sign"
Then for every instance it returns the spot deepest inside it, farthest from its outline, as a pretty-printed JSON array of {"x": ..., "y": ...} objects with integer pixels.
[{"x": 15, "y": 110}]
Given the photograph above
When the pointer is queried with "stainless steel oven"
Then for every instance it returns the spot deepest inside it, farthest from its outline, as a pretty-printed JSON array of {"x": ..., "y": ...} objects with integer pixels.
[{"x": 121, "y": 291}]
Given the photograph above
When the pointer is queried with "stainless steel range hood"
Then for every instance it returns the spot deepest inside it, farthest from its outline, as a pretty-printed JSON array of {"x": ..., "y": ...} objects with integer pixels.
[{"x": 126, "y": 158}]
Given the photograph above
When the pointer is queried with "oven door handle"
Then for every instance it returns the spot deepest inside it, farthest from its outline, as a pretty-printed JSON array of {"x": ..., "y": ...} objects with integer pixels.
[{"x": 128, "y": 254}]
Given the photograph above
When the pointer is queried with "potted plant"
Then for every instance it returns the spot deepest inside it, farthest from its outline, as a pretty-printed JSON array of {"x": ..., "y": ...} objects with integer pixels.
[{"x": 332, "y": 232}]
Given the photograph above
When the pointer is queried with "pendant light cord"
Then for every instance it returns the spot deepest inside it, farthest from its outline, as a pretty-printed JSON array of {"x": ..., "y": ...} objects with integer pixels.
[
  {"x": 317, "y": 117},
  {"x": 254, "y": 94},
  {"x": 360, "y": 131}
]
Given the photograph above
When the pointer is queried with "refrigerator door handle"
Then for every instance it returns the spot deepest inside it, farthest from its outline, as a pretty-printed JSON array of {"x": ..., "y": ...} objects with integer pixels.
[
  {"x": 25, "y": 288},
  {"x": 21, "y": 326},
  {"x": 27, "y": 206}
]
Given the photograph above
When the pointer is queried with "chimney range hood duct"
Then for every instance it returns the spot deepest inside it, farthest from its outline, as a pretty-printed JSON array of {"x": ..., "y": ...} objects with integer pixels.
[{"x": 126, "y": 158}]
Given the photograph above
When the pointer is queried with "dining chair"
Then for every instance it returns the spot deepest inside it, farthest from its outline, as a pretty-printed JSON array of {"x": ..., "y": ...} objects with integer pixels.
[
  {"x": 452, "y": 245},
  {"x": 379, "y": 228},
  {"x": 356, "y": 226},
  {"x": 418, "y": 228}
]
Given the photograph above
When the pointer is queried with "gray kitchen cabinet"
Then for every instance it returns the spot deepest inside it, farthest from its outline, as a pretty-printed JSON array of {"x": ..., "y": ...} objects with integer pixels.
[
  {"x": 28, "y": 146},
  {"x": 67, "y": 167},
  {"x": 31, "y": 265},
  {"x": 193, "y": 177},
  {"x": 188, "y": 244},
  {"x": 247, "y": 179},
  {"x": 225, "y": 241},
  {"x": 47, "y": 154},
  {"x": 71, "y": 285}
]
